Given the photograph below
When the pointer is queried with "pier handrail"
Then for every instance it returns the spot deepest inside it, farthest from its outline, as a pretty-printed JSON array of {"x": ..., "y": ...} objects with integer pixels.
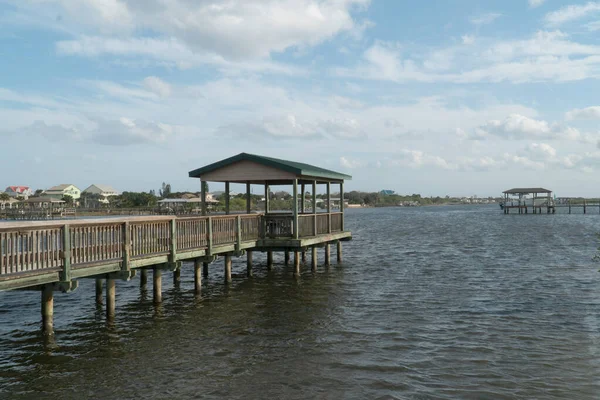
[{"x": 71, "y": 245}]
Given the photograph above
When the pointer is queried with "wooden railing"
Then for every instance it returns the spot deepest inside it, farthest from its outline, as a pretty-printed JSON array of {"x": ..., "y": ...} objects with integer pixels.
[{"x": 80, "y": 244}]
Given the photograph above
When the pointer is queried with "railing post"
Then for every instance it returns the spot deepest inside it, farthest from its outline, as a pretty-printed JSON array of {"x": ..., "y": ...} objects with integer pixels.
[
  {"x": 295, "y": 223},
  {"x": 328, "y": 207},
  {"x": 314, "y": 224},
  {"x": 65, "y": 276},
  {"x": 209, "y": 238},
  {"x": 238, "y": 231},
  {"x": 126, "y": 246},
  {"x": 342, "y": 206},
  {"x": 173, "y": 254}
]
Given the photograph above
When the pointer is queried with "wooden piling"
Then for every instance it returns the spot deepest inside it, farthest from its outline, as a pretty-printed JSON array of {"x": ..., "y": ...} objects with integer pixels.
[
  {"x": 269, "y": 260},
  {"x": 143, "y": 278},
  {"x": 99, "y": 285},
  {"x": 303, "y": 256},
  {"x": 249, "y": 263},
  {"x": 177, "y": 277},
  {"x": 157, "y": 283},
  {"x": 297, "y": 263},
  {"x": 48, "y": 309},
  {"x": 314, "y": 259},
  {"x": 197, "y": 276},
  {"x": 205, "y": 269},
  {"x": 227, "y": 269},
  {"x": 110, "y": 298},
  {"x": 339, "y": 252},
  {"x": 286, "y": 257},
  {"x": 327, "y": 255}
]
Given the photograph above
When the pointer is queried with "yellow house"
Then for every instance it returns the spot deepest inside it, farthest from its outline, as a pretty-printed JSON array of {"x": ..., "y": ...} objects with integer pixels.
[{"x": 65, "y": 189}]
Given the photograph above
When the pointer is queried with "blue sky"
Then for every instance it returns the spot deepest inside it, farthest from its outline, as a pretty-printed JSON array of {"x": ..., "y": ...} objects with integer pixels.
[{"x": 436, "y": 97}]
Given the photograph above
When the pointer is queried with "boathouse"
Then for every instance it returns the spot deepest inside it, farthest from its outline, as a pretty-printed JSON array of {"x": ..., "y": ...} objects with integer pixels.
[
  {"x": 51, "y": 256},
  {"x": 524, "y": 199}
]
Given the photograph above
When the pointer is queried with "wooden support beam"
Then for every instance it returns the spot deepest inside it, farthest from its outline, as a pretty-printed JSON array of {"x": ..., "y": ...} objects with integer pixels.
[
  {"x": 295, "y": 208},
  {"x": 304, "y": 256},
  {"x": 314, "y": 259},
  {"x": 143, "y": 278},
  {"x": 339, "y": 252},
  {"x": 203, "y": 197},
  {"x": 99, "y": 286},
  {"x": 314, "y": 207},
  {"x": 110, "y": 298},
  {"x": 302, "y": 198},
  {"x": 248, "y": 199},
  {"x": 296, "y": 263},
  {"x": 65, "y": 274},
  {"x": 267, "y": 199},
  {"x": 227, "y": 191},
  {"x": 249, "y": 263},
  {"x": 157, "y": 285},
  {"x": 177, "y": 277},
  {"x": 342, "y": 204},
  {"x": 329, "y": 207},
  {"x": 227, "y": 269},
  {"x": 269, "y": 260},
  {"x": 48, "y": 309},
  {"x": 205, "y": 269},
  {"x": 197, "y": 275},
  {"x": 286, "y": 257},
  {"x": 327, "y": 255}
]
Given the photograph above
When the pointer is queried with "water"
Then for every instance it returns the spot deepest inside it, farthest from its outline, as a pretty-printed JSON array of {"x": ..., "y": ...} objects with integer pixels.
[{"x": 431, "y": 303}]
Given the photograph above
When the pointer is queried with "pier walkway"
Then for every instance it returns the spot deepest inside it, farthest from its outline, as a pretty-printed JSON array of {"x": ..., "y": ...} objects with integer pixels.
[{"x": 52, "y": 256}]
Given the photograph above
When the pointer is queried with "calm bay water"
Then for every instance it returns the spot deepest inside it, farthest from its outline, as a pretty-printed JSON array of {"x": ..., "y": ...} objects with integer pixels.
[{"x": 430, "y": 303}]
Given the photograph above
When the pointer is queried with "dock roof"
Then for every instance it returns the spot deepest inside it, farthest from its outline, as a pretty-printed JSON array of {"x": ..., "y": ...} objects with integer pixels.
[
  {"x": 288, "y": 168},
  {"x": 526, "y": 190}
]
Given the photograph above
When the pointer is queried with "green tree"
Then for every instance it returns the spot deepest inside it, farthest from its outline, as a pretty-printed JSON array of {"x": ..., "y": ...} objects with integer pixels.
[
  {"x": 4, "y": 196},
  {"x": 165, "y": 190},
  {"x": 68, "y": 200}
]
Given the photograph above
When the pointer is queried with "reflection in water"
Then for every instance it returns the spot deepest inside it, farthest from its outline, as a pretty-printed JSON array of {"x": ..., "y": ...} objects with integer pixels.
[{"x": 440, "y": 302}]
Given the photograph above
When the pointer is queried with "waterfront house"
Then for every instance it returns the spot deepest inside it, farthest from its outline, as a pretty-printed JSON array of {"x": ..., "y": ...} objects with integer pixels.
[
  {"x": 104, "y": 191},
  {"x": 9, "y": 204},
  {"x": 65, "y": 189},
  {"x": 19, "y": 191},
  {"x": 42, "y": 202}
]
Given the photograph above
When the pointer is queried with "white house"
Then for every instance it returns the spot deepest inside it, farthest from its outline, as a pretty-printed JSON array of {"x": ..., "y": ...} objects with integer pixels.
[
  {"x": 8, "y": 204},
  {"x": 104, "y": 191},
  {"x": 65, "y": 189},
  {"x": 19, "y": 191}
]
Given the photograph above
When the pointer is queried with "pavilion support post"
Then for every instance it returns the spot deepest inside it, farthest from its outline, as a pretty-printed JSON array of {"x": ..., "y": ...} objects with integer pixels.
[
  {"x": 267, "y": 199},
  {"x": 227, "y": 269},
  {"x": 295, "y": 232},
  {"x": 99, "y": 286},
  {"x": 303, "y": 198},
  {"x": 286, "y": 257},
  {"x": 205, "y": 269},
  {"x": 248, "y": 199},
  {"x": 339, "y": 252},
  {"x": 111, "y": 289},
  {"x": 249, "y": 263},
  {"x": 197, "y": 276},
  {"x": 47, "y": 309},
  {"x": 314, "y": 207},
  {"x": 342, "y": 206},
  {"x": 327, "y": 254},
  {"x": 314, "y": 260},
  {"x": 227, "y": 191},
  {"x": 296, "y": 263},
  {"x": 157, "y": 283},
  {"x": 329, "y": 207},
  {"x": 143, "y": 278},
  {"x": 203, "y": 197}
]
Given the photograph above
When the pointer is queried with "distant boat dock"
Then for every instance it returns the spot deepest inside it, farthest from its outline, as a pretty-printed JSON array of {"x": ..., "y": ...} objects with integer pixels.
[
  {"x": 541, "y": 201},
  {"x": 52, "y": 256}
]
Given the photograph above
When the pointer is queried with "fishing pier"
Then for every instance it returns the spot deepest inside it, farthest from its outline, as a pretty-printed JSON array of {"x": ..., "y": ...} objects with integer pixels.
[
  {"x": 540, "y": 201},
  {"x": 53, "y": 256}
]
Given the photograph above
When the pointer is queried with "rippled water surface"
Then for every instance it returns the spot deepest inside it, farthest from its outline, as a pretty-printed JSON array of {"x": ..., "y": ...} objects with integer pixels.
[{"x": 430, "y": 303}]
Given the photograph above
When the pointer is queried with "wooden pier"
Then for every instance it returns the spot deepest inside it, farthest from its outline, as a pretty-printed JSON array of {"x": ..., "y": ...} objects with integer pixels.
[
  {"x": 518, "y": 200},
  {"x": 52, "y": 256}
]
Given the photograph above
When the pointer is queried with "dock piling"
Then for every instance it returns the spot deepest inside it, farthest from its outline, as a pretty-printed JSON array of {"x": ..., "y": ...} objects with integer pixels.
[
  {"x": 48, "y": 309},
  {"x": 143, "y": 278},
  {"x": 157, "y": 283},
  {"x": 227, "y": 269},
  {"x": 286, "y": 258},
  {"x": 269, "y": 260},
  {"x": 99, "y": 287},
  {"x": 303, "y": 256},
  {"x": 327, "y": 255},
  {"x": 205, "y": 269},
  {"x": 296, "y": 263},
  {"x": 249, "y": 263},
  {"x": 314, "y": 259},
  {"x": 110, "y": 298},
  {"x": 197, "y": 276},
  {"x": 339, "y": 252},
  {"x": 177, "y": 277}
]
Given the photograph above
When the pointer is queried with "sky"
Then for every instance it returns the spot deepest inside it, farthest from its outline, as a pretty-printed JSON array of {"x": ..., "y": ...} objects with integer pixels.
[{"x": 434, "y": 97}]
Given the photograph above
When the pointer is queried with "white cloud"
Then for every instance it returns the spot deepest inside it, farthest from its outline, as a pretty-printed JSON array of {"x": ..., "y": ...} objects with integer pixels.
[
  {"x": 541, "y": 151},
  {"x": 584, "y": 113},
  {"x": 519, "y": 127},
  {"x": 157, "y": 86},
  {"x": 571, "y": 13},
  {"x": 349, "y": 163},
  {"x": 536, "y": 3},
  {"x": 235, "y": 29},
  {"x": 593, "y": 26},
  {"x": 468, "y": 39},
  {"x": 484, "y": 19}
]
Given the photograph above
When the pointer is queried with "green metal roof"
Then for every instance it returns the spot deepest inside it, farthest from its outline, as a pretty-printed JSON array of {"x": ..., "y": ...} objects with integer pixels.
[{"x": 299, "y": 169}]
